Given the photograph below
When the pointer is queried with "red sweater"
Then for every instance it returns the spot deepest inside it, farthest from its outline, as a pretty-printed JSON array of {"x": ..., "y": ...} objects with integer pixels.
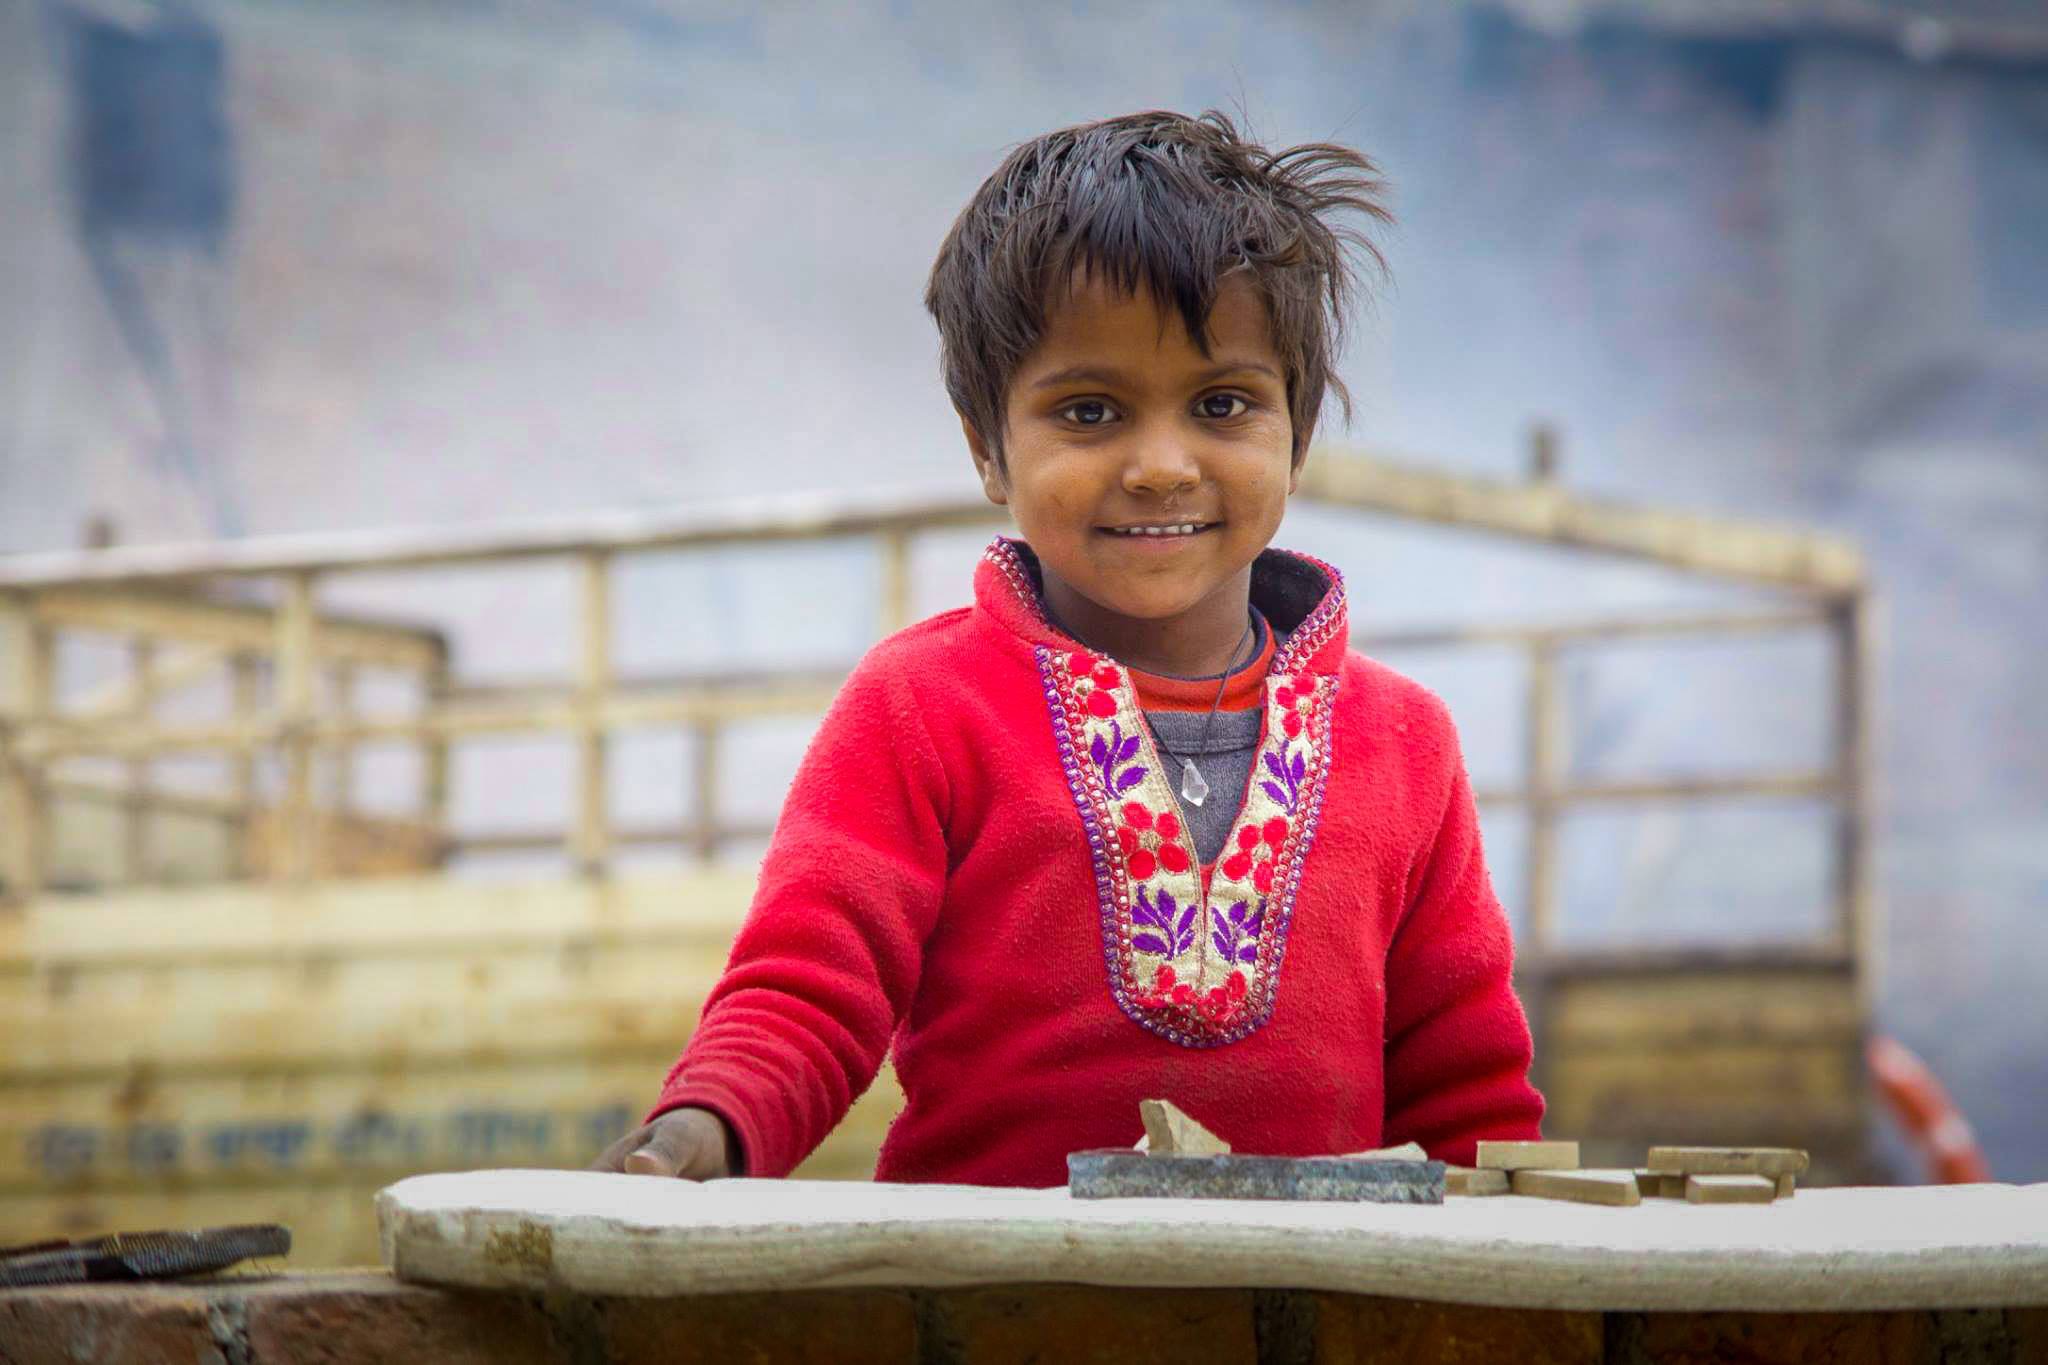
[{"x": 980, "y": 860}]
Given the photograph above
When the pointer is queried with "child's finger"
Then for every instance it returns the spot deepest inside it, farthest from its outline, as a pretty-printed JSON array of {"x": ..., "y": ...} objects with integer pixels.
[
  {"x": 653, "y": 1158},
  {"x": 614, "y": 1157}
]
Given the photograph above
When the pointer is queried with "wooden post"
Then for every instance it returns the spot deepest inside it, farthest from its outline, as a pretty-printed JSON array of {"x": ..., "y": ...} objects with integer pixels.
[
  {"x": 1543, "y": 453},
  {"x": 1855, "y": 906},
  {"x": 294, "y": 856},
  {"x": 434, "y": 767},
  {"x": 592, "y": 840},
  {"x": 242, "y": 763},
  {"x": 896, "y": 595},
  {"x": 1544, "y": 775},
  {"x": 26, "y": 673},
  {"x": 342, "y": 777},
  {"x": 1545, "y": 764},
  {"x": 135, "y": 810},
  {"x": 704, "y": 770}
]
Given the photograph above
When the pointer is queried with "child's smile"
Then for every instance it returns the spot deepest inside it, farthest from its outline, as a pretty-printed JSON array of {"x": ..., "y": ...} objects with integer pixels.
[{"x": 1145, "y": 474}]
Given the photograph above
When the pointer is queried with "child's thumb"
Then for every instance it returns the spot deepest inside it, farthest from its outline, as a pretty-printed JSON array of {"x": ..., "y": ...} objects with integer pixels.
[{"x": 657, "y": 1155}]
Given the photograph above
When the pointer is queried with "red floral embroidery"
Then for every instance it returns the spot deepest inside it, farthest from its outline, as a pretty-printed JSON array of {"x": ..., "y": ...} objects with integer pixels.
[
  {"x": 1218, "y": 1005},
  {"x": 1162, "y": 914}
]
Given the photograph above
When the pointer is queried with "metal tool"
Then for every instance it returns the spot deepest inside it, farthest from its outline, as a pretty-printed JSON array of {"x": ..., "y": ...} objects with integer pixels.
[
  {"x": 140, "y": 1255},
  {"x": 1120, "y": 1173}
]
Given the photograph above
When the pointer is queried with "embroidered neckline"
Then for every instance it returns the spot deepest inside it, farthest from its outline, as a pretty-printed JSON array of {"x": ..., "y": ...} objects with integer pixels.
[{"x": 1198, "y": 965}]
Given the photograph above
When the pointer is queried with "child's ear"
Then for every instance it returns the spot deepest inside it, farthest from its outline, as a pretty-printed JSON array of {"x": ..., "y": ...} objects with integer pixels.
[
  {"x": 993, "y": 485},
  {"x": 1294, "y": 465}
]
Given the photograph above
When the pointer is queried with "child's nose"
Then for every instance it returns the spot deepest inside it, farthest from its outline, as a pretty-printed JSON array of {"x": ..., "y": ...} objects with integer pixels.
[{"x": 1160, "y": 464}]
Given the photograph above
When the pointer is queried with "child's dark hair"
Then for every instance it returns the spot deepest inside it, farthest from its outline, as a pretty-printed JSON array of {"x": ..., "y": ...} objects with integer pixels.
[{"x": 1168, "y": 202}]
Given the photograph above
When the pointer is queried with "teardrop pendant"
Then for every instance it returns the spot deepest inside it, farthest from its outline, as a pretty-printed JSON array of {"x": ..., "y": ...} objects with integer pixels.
[{"x": 1193, "y": 789}]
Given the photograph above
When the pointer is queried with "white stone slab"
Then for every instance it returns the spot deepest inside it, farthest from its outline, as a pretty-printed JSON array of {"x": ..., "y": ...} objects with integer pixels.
[{"x": 1957, "y": 1246}]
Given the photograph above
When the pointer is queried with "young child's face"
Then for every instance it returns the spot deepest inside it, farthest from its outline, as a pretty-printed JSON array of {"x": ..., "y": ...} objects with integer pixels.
[{"x": 1117, "y": 421}]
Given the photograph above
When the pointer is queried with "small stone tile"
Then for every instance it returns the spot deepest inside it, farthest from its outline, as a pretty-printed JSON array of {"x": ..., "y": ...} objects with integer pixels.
[
  {"x": 1528, "y": 1156},
  {"x": 1771, "y": 1161},
  {"x": 1579, "y": 1187},
  {"x": 1730, "y": 1189}
]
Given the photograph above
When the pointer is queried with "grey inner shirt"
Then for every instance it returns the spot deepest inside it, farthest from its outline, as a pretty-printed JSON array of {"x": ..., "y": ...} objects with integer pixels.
[
  {"x": 1285, "y": 590},
  {"x": 1226, "y": 763}
]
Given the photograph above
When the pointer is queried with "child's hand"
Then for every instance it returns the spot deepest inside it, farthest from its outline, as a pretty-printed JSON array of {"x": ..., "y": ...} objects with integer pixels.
[{"x": 690, "y": 1144}]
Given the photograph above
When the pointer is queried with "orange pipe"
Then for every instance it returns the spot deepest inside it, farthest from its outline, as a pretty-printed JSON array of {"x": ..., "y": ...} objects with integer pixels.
[{"x": 1933, "y": 1124}]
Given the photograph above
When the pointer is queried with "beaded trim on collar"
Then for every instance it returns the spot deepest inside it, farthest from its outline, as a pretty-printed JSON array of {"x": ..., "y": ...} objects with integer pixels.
[{"x": 1196, "y": 965}]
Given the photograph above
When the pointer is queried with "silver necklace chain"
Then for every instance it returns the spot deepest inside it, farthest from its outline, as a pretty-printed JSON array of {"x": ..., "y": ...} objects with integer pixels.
[{"x": 1194, "y": 788}]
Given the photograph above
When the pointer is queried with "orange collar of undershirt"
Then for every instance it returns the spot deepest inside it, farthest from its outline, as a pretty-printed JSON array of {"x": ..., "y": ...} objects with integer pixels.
[{"x": 1244, "y": 691}]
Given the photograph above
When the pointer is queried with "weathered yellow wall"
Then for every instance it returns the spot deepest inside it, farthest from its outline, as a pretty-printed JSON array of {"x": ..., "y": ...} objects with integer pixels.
[{"x": 246, "y": 1054}]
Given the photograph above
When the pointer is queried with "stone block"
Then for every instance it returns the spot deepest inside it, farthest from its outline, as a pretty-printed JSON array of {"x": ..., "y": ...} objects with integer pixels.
[
  {"x": 1169, "y": 1132},
  {"x": 1579, "y": 1187},
  {"x": 1771, "y": 1161},
  {"x": 104, "y": 1322},
  {"x": 1771, "y": 1339},
  {"x": 1357, "y": 1329},
  {"x": 1528, "y": 1156},
  {"x": 1469, "y": 1181},
  {"x": 856, "y": 1326},
  {"x": 2028, "y": 1328},
  {"x": 1086, "y": 1325},
  {"x": 1730, "y": 1189},
  {"x": 1407, "y": 1151},
  {"x": 347, "y": 1317}
]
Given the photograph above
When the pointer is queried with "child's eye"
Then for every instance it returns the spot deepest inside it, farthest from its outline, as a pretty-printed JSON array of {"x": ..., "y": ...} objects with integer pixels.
[
  {"x": 1089, "y": 412},
  {"x": 1219, "y": 405}
]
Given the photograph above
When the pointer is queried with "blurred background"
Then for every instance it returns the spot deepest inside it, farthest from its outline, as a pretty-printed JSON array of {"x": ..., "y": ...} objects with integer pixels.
[{"x": 492, "y": 310}]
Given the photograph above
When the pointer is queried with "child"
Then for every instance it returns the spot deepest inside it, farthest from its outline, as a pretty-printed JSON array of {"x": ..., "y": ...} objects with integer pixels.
[{"x": 1136, "y": 823}]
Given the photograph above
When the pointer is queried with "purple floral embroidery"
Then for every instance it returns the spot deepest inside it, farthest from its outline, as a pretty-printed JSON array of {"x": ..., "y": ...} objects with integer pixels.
[
  {"x": 1102, "y": 768},
  {"x": 1287, "y": 773},
  {"x": 1236, "y": 932},
  {"x": 1162, "y": 917},
  {"x": 1113, "y": 758}
]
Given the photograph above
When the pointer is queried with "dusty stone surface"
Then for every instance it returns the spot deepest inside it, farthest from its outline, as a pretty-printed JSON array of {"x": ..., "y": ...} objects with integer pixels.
[{"x": 1976, "y": 1246}]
